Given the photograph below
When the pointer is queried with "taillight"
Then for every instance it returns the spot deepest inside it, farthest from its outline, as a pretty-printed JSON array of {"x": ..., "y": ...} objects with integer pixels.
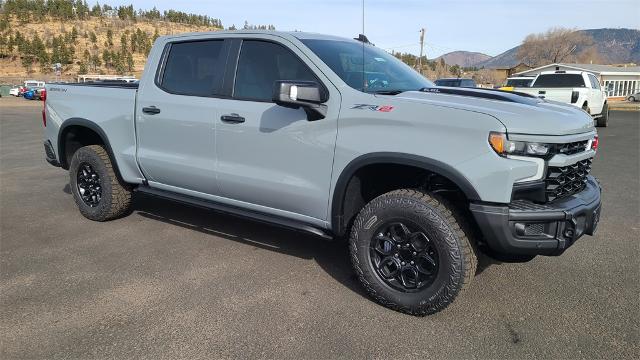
[
  {"x": 574, "y": 97},
  {"x": 44, "y": 113},
  {"x": 594, "y": 143}
]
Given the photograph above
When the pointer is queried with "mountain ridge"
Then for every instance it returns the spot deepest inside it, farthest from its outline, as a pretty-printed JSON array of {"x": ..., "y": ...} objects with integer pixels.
[
  {"x": 463, "y": 58},
  {"x": 613, "y": 45}
]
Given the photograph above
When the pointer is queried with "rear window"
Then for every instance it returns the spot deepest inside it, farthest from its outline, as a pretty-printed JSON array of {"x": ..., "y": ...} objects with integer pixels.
[
  {"x": 194, "y": 68},
  {"x": 559, "y": 81}
]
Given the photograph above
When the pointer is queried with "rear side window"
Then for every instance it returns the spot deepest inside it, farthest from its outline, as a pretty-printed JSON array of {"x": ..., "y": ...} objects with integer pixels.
[
  {"x": 594, "y": 82},
  {"x": 559, "y": 81},
  {"x": 262, "y": 63},
  {"x": 194, "y": 68}
]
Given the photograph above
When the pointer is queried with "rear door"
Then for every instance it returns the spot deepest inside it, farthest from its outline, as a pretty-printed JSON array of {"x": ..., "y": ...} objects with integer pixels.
[
  {"x": 597, "y": 97},
  {"x": 272, "y": 156},
  {"x": 176, "y": 116}
]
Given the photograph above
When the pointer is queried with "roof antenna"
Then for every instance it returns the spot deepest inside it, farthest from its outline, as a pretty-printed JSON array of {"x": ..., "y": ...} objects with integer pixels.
[{"x": 362, "y": 38}]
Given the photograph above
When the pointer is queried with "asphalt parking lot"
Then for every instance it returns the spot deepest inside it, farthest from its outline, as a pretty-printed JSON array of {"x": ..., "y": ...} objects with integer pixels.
[{"x": 173, "y": 281}]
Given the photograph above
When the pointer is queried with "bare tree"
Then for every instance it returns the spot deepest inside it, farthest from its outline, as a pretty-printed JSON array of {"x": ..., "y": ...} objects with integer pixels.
[{"x": 553, "y": 46}]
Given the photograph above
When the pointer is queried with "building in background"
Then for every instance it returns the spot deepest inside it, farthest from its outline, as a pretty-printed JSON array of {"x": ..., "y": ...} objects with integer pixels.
[{"x": 619, "y": 81}]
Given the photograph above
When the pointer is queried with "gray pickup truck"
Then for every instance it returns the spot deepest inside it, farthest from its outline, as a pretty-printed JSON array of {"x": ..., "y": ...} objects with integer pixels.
[{"x": 337, "y": 138}]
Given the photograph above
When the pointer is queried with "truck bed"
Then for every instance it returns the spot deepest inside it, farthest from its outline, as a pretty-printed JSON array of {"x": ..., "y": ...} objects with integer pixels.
[
  {"x": 109, "y": 107},
  {"x": 102, "y": 84}
]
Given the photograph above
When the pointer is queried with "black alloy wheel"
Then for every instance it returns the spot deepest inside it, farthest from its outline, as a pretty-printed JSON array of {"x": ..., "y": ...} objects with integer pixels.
[
  {"x": 89, "y": 185},
  {"x": 403, "y": 256}
]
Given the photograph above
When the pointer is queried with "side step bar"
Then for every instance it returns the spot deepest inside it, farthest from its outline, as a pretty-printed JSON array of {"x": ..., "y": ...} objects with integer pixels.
[{"x": 236, "y": 211}]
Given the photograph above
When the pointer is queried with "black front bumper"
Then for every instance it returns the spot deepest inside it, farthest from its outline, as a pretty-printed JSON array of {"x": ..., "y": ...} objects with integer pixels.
[{"x": 526, "y": 228}]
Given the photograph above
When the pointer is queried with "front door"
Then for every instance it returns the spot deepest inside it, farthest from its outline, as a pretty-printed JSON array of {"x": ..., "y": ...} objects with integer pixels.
[
  {"x": 270, "y": 155},
  {"x": 176, "y": 117}
]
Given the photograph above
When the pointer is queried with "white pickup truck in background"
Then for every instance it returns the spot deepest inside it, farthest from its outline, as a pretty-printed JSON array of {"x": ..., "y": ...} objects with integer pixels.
[{"x": 578, "y": 88}]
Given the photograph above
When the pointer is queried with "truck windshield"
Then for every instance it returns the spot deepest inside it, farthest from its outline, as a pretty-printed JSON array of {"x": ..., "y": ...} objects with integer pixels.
[
  {"x": 380, "y": 72},
  {"x": 559, "y": 81}
]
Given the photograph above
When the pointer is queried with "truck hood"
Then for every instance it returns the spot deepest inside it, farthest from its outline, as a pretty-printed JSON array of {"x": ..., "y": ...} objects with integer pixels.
[{"x": 519, "y": 113}]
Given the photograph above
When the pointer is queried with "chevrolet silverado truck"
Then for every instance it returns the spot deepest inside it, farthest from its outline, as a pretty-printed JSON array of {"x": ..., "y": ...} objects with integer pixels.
[
  {"x": 578, "y": 88},
  {"x": 337, "y": 138}
]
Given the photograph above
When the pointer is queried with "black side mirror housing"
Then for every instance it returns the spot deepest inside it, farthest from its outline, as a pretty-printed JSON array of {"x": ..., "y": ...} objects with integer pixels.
[{"x": 308, "y": 95}]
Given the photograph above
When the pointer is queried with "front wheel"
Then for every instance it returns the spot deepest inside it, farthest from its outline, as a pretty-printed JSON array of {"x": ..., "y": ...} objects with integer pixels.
[
  {"x": 411, "y": 251},
  {"x": 97, "y": 190}
]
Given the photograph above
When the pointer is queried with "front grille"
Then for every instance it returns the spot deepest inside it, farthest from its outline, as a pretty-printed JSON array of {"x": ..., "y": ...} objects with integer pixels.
[
  {"x": 567, "y": 180},
  {"x": 571, "y": 148}
]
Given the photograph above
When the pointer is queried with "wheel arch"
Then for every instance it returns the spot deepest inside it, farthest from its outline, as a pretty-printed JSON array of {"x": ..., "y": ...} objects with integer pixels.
[
  {"x": 338, "y": 198},
  {"x": 72, "y": 125}
]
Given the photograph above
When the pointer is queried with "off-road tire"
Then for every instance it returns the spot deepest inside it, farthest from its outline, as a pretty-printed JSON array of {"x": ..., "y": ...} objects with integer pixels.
[
  {"x": 116, "y": 194},
  {"x": 603, "y": 120},
  {"x": 443, "y": 224}
]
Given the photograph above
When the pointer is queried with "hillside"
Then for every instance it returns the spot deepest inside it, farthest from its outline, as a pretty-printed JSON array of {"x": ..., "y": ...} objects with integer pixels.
[
  {"x": 98, "y": 39},
  {"x": 614, "y": 46},
  {"x": 12, "y": 67},
  {"x": 464, "y": 58}
]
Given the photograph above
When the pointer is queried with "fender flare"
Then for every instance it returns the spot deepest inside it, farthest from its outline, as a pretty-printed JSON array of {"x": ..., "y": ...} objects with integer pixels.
[
  {"x": 89, "y": 125},
  {"x": 421, "y": 162}
]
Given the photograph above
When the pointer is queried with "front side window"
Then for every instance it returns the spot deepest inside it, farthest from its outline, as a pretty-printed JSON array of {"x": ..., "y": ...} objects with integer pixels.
[
  {"x": 194, "y": 68},
  {"x": 263, "y": 63},
  {"x": 376, "y": 72}
]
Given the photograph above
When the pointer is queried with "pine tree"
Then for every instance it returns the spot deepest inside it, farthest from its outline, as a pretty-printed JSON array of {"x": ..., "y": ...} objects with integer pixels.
[
  {"x": 109, "y": 37},
  {"x": 156, "y": 35},
  {"x": 130, "y": 62},
  {"x": 123, "y": 43}
]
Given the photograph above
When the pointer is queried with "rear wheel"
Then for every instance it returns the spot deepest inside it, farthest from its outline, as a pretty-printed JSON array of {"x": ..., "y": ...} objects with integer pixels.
[
  {"x": 631, "y": 98},
  {"x": 97, "y": 190},
  {"x": 411, "y": 251},
  {"x": 603, "y": 120}
]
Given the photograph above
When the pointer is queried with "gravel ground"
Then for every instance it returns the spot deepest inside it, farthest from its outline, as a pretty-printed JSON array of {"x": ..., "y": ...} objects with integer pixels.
[{"x": 173, "y": 281}]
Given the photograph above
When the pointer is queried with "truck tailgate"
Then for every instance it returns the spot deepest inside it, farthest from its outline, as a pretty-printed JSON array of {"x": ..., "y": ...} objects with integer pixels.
[{"x": 555, "y": 94}]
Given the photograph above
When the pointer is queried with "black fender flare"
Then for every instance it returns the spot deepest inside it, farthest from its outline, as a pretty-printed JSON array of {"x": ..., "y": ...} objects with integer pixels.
[
  {"x": 435, "y": 166},
  {"x": 89, "y": 125}
]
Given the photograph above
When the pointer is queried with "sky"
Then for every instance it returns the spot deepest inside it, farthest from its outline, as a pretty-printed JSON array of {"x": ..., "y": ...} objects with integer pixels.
[{"x": 487, "y": 26}]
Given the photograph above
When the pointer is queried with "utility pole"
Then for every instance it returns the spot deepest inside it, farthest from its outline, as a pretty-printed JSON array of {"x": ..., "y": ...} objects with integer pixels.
[{"x": 421, "y": 50}]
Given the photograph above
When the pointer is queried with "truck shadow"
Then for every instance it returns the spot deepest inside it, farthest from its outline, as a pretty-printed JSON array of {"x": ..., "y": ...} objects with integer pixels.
[{"x": 331, "y": 256}]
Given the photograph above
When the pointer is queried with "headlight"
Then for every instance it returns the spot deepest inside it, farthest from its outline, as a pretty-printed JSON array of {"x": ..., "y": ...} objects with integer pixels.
[{"x": 504, "y": 147}]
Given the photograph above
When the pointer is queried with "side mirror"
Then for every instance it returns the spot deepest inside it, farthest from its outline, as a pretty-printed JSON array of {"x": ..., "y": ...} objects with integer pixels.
[{"x": 308, "y": 95}]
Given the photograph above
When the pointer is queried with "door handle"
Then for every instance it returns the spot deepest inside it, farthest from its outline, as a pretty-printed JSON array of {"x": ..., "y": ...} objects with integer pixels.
[
  {"x": 151, "y": 110},
  {"x": 232, "y": 118}
]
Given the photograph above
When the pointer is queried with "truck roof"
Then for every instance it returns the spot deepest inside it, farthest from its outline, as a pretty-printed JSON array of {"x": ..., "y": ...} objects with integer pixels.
[
  {"x": 285, "y": 34},
  {"x": 562, "y": 72}
]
